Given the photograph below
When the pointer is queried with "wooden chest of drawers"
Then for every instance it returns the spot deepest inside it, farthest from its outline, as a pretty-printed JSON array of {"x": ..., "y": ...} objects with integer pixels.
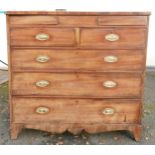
[{"x": 75, "y": 71}]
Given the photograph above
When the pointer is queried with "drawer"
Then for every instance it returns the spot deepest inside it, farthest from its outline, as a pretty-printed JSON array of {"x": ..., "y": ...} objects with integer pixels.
[
  {"x": 33, "y": 20},
  {"x": 113, "y": 38},
  {"x": 122, "y": 20},
  {"x": 81, "y": 60},
  {"x": 42, "y": 37},
  {"x": 108, "y": 85},
  {"x": 27, "y": 110}
]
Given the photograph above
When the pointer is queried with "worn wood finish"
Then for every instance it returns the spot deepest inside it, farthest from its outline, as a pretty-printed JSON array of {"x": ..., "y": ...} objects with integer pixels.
[
  {"x": 76, "y": 84},
  {"x": 56, "y": 21},
  {"x": 33, "y": 20},
  {"x": 75, "y": 110},
  {"x": 65, "y": 13},
  {"x": 79, "y": 60},
  {"x": 122, "y": 20},
  {"x": 78, "y": 20},
  {"x": 57, "y": 37},
  {"x": 75, "y": 129},
  {"x": 15, "y": 130},
  {"x": 129, "y": 38},
  {"x": 76, "y": 97}
]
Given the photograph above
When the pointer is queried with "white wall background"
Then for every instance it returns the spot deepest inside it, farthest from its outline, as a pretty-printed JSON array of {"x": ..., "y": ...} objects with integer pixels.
[{"x": 79, "y": 5}]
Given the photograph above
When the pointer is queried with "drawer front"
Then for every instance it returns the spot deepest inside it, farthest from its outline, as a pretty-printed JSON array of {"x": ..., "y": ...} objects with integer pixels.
[
  {"x": 122, "y": 20},
  {"x": 81, "y": 60},
  {"x": 42, "y": 37},
  {"x": 33, "y": 20},
  {"x": 37, "y": 110},
  {"x": 108, "y": 85},
  {"x": 113, "y": 38},
  {"x": 76, "y": 20}
]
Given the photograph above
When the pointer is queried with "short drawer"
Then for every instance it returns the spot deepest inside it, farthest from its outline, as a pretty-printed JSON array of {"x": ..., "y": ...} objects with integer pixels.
[
  {"x": 27, "y": 110},
  {"x": 33, "y": 20},
  {"x": 122, "y": 20},
  {"x": 42, "y": 37},
  {"x": 79, "y": 60},
  {"x": 107, "y": 85},
  {"x": 113, "y": 38}
]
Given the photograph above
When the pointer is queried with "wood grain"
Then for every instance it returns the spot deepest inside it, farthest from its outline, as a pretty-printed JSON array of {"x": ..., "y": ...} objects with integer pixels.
[
  {"x": 77, "y": 84},
  {"x": 76, "y": 71},
  {"x": 135, "y": 129},
  {"x": 57, "y": 37},
  {"x": 129, "y": 38},
  {"x": 33, "y": 20},
  {"x": 77, "y": 20},
  {"x": 122, "y": 20},
  {"x": 79, "y": 60},
  {"x": 75, "y": 110}
]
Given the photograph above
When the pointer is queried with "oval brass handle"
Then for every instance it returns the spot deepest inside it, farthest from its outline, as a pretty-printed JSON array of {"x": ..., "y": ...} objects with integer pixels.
[
  {"x": 42, "y": 110},
  {"x": 110, "y": 58},
  {"x": 42, "y": 83},
  {"x": 42, "y": 36},
  {"x": 108, "y": 111},
  {"x": 109, "y": 84},
  {"x": 42, "y": 58},
  {"x": 112, "y": 37}
]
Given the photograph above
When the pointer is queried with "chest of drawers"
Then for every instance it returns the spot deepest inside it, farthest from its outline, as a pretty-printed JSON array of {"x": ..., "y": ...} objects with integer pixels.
[{"x": 75, "y": 71}]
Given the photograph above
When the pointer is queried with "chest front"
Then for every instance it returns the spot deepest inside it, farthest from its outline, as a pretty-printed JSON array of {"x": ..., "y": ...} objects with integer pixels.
[{"x": 76, "y": 71}]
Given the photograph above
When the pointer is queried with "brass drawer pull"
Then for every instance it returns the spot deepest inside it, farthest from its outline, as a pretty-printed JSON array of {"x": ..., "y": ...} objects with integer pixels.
[
  {"x": 112, "y": 37},
  {"x": 42, "y": 83},
  {"x": 108, "y": 111},
  {"x": 109, "y": 84},
  {"x": 110, "y": 58},
  {"x": 42, "y": 110},
  {"x": 42, "y": 36},
  {"x": 42, "y": 58}
]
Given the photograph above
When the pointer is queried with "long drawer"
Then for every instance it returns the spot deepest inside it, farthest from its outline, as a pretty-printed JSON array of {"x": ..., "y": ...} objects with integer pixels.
[
  {"x": 107, "y": 85},
  {"x": 37, "y": 110},
  {"x": 77, "y": 60}
]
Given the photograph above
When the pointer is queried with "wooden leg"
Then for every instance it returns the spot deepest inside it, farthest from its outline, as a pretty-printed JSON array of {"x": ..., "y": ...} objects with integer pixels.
[
  {"x": 137, "y": 132},
  {"x": 15, "y": 130}
]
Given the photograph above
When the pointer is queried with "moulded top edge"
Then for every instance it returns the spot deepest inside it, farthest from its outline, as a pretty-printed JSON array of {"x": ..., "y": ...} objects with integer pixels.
[{"x": 77, "y": 13}]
